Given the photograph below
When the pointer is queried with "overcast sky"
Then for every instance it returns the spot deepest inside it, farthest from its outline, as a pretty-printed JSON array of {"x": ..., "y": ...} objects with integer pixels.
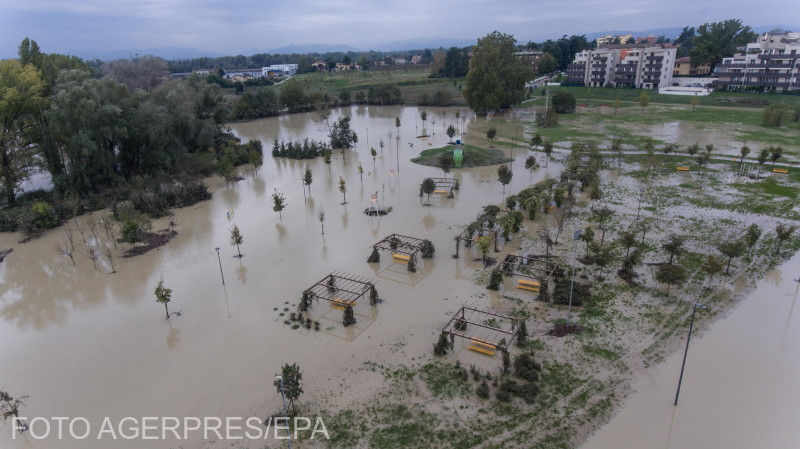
[{"x": 234, "y": 26}]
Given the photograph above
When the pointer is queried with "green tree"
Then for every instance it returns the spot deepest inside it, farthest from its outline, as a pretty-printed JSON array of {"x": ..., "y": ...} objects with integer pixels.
[
  {"x": 702, "y": 160},
  {"x": 564, "y": 102},
  {"x": 686, "y": 41},
  {"x": 644, "y": 100},
  {"x": 504, "y": 174},
  {"x": 547, "y": 64},
  {"x": 308, "y": 177},
  {"x": 774, "y": 114},
  {"x": 536, "y": 140},
  {"x": 743, "y": 152},
  {"x": 547, "y": 147},
  {"x": 484, "y": 243},
  {"x": 712, "y": 266},
  {"x": 671, "y": 274},
  {"x": 423, "y": 115},
  {"x": 237, "y": 239},
  {"x": 163, "y": 295},
  {"x": 326, "y": 157},
  {"x": 428, "y": 186},
  {"x": 717, "y": 40},
  {"x": 496, "y": 77},
  {"x": 321, "y": 217},
  {"x": 601, "y": 216},
  {"x": 674, "y": 246},
  {"x": 360, "y": 170},
  {"x": 451, "y": 132},
  {"x": 587, "y": 237},
  {"x": 374, "y": 154},
  {"x": 446, "y": 161},
  {"x": 763, "y": 155},
  {"x": 344, "y": 97},
  {"x": 343, "y": 189},
  {"x": 293, "y": 97},
  {"x": 491, "y": 133},
  {"x": 530, "y": 165},
  {"x": 21, "y": 101},
  {"x": 348, "y": 317},
  {"x": 752, "y": 235},
  {"x": 278, "y": 203},
  {"x": 731, "y": 249},
  {"x": 783, "y": 232},
  {"x": 775, "y": 153},
  {"x": 289, "y": 384}
]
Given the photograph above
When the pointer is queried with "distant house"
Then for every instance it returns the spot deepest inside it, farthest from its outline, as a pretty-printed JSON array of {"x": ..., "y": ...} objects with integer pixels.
[
  {"x": 416, "y": 59},
  {"x": 400, "y": 61},
  {"x": 651, "y": 40},
  {"x": 320, "y": 66},
  {"x": 530, "y": 58},
  {"x": 277, "y": 70},
  {"x": 684, "y": 67},
  {"x": 243, "y": 75},
  {"x": 205, "y": 71}
]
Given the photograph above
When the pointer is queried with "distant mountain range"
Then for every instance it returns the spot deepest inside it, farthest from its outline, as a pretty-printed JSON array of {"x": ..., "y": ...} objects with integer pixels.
[{"x": 172, "y": 53}]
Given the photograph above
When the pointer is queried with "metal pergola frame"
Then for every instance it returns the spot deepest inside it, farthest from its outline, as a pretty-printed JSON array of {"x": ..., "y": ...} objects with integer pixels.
[
  {"x": 513, "y": 265},
  {"x": 347, "y": 288},
  {"x": 487, "y": 334}
]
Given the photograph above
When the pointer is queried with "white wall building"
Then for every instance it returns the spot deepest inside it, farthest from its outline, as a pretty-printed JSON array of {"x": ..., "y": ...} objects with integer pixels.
[
  {"x": 286, "y": 69},
  {"x": 641, "y": 67},
  {"x": 771, "y": 64}
]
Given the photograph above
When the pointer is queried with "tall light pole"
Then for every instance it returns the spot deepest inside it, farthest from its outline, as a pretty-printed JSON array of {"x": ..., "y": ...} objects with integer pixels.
[
  {"x": 686, "y": 351},
  {"x": 283, "y": 396},
  {"x": 220, "y": 266}
]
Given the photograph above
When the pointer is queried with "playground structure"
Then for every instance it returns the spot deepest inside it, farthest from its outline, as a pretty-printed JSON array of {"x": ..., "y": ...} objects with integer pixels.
[
  {"x": 341, "y": 290},
  {"x": 403, "y": 248},
  {"x": 535, "y": 271},
  {"x": 444, "y": 186},
  {"x": 484, "y": 332}
]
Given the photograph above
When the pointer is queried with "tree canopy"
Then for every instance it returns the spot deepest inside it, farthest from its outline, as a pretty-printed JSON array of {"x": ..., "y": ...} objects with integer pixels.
[
  {"x": 496, "y": 78},
  {"x": 717, "y": 40}
]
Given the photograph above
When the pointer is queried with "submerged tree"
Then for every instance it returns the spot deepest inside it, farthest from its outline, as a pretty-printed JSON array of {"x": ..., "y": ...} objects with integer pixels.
[
  {"x": 9, "y": 407},
  {"x": 428, "y": 186},
  {"x": 343, "y": 189},
  {"x": 163, "y": 295},
  {"x": 674, "y": 246},
  {"x": 237, "y": 239},
  {"x": 504, "y": 175},
  {"x": 278, "y": 203},
  {"x": 495, "y": 279},
  {"x": 348, "y": 317},
  {"x": 321, "y": 217},
  {"x": 289, "y": 384},
  {"x": 530, "y": 165},
  {"x": 484, "y": 243},
  {"x": 446, "y": 161},
  {"x": 442, "y": 345},
  {"x": 308, "y": 177}
]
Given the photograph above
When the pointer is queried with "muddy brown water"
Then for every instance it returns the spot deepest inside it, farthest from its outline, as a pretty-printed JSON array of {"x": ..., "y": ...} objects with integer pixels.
[
  {"x": 84, "y": 343},
  {"x": 739, "y": 388}
]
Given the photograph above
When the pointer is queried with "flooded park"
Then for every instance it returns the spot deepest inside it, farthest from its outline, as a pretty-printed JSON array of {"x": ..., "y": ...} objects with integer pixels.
[{"x": 83, "y": 342}]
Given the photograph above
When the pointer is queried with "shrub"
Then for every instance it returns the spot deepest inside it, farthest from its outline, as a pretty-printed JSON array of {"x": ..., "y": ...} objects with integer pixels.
[{"x": 564, "y": 102}]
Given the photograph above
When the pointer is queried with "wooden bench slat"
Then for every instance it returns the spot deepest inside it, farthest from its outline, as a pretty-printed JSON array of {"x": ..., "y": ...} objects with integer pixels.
[
  {"x": 531, "y": 283},
  {"x": 481, "y": 350},
  {"x": 527, "y": 287}
]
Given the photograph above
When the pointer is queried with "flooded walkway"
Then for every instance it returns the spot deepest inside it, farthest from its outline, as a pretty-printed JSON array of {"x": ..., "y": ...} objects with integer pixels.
[{"x": 740, "y": 388}]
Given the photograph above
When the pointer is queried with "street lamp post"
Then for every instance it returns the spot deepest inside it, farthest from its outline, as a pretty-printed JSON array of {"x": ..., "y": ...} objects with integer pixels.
[
  {"x": 686, "y": 351},
  {"x": 283, "y": 396},
  {"x": 220, "y": 266}
]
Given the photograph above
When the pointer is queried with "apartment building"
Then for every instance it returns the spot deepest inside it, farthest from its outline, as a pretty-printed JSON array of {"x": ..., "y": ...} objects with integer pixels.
[
  {"x": 769, "y": 64},
  {"x": 639, "y": 67},
  {"x": 684, "y": 67}
]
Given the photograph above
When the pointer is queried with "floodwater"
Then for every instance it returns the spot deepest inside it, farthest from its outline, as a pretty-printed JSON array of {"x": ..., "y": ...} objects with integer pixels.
[
  {"x": 83, "y": 343},
  {"x": 740, "y": 386}
]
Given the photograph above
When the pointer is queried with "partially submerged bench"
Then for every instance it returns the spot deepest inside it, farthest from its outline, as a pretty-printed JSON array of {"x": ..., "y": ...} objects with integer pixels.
[
  {"x": 482, "y": 346},
  {"x": 524, "y": 284},
  {"x": 682, "y": 168}
]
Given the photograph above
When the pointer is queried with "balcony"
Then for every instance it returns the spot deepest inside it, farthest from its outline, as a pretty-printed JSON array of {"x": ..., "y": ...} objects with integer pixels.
[
  {"x": 598, "y": 72},
  {"x": 624, "y": 80},
  {"x": 653, "y": 66},
  {"x": 731, "y": 65},
  {"x": 654, "y": 58},
  {"x": 625, "y": 69},
  {"x": 779, "y": 56},
  {"x": 597, "y": 79},
  {"x": 726, "y": 73}
]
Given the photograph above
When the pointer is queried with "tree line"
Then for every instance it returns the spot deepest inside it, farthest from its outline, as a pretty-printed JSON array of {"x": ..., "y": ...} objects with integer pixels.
[{"x": 98, "y": 135}]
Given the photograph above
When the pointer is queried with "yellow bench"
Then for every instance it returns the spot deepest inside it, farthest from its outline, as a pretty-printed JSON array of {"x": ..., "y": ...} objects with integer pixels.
[
  {"x": 440, "y": 191},
  {"x": 481, "y": 349},
  {"x": 682, "y": 168},
  {"x": 341, "y": 304},
  {"x": 531, "y": 283},
  {"x": 528, "y": 285},
  {"x": 780, "y": 170},
  {"x": 401, "y": 258},
  {"x": 483, "y": 343}
]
